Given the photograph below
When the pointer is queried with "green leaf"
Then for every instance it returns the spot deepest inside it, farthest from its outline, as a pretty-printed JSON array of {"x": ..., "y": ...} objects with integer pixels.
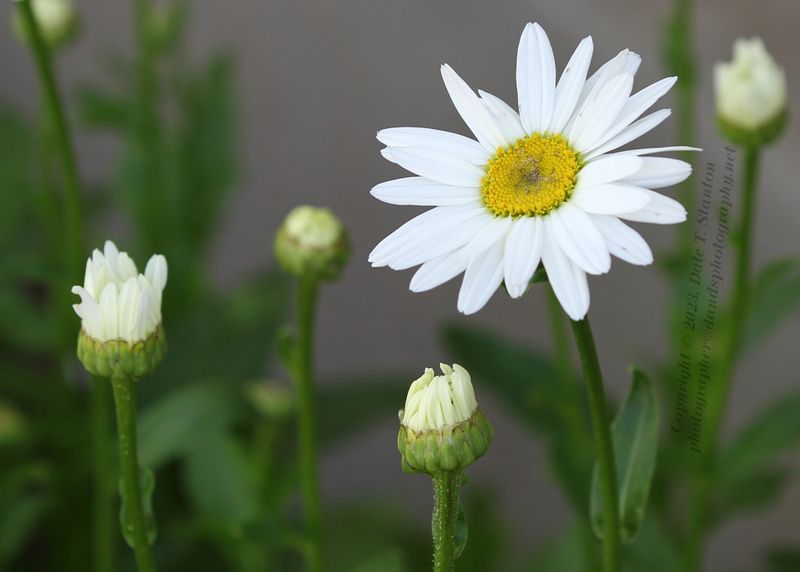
[
  {"x": 565, "y": 553},
  {"x": 635, "y": 436},
  {"x": 782, "y": 559},
  {"x": 748, "y": 478},
  {"x": 758, "y": 488},
  {"x": 774, "y": 297},
  {"x": 170, "y": 427},
  {"x": 220, "y": 481},
  {"x": 147, "y": 485},
  {"x": 462, "y": 531},
  {"x": 775, "y": 430}
]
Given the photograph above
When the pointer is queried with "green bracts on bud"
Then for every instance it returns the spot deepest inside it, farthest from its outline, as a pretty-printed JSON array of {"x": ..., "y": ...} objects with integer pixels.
[
  {"x": 754, "y": 138},
  {"x": 121, "y": 358},
  {"x": 312, "y": 242},
  {"x": 448, "y": 449}
]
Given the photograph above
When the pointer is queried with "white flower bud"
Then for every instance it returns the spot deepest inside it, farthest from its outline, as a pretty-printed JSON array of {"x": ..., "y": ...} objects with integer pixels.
[
  {"x": 751, "y": 89},
  {"x": 439, "y": 401},
  {"x": 56, "y": 20},
  {"x": 118, "y": 303},
  {"x": 441, "y": 426}
]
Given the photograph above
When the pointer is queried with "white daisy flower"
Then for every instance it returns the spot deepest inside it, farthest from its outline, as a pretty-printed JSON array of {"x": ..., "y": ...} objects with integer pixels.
[
  {"x": 545, "y": 184},
  {"x": 118, "y": 303}
]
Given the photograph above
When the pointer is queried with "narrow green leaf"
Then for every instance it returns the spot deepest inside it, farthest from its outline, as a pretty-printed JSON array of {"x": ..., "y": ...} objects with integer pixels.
[
  {"x": 774, "y": 431},
  {"x": 635, "y": 435},
  {"x": 775, "y": 296},
  {"x": 147, "y": 484},
  {"x": 462, "y": 531}
]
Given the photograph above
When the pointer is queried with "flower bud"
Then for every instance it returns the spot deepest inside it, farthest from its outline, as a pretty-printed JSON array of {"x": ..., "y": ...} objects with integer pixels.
[
  {"x": 312, "y": 242},
  {"x": 56, "y": 20},
  {"x": 12, "y": 424},
  {"x": 120, "y": 310},
  {"x": 751, "y": 95},
  {"x": 441, "y": 427},
  {"x": 273, "y": 400}
]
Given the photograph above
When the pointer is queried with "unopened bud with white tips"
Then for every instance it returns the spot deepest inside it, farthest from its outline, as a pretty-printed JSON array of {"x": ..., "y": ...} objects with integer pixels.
[
  {"x": 56, "y": 20},
  {"x": 312, "y": 242},
  {"x": 120, "y": 313},
  {"x": 750, "y": 94},
  {"x": 441, "y": 427}
]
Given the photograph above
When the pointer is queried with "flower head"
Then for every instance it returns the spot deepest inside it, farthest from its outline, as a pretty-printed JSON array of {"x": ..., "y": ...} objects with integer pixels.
[
  {"x": 441, "y": 426},
  {"x": 120, "y": 313},
  {"x": 750, "y": 93},
  {"x": 56, "y": 20},
  {"x": 312, "y": 241},
  {"x": 543, "y": 185}
]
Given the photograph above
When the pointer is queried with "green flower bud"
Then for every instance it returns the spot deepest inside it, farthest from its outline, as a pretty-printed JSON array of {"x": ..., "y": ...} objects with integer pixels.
[
  {"x": 12, "y": 424},
  {"x": 56, "y": 20},
  {"x": 312, "y": 242},
  {"x": 273, "y": 400},
  {"x": 441, "y": 427},
  {"x": 122, "y": 358}
]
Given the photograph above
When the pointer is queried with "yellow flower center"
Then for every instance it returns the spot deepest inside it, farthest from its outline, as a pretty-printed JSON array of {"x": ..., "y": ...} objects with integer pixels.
[{"x": 530, "y": 178}]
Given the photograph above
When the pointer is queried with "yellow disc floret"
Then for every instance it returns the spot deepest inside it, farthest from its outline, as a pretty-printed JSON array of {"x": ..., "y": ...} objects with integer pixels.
[{"x": 532, "y": 177}]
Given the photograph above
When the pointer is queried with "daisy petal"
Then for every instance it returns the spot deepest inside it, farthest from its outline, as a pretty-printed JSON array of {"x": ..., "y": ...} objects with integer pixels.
[
  {"x": 436, "y": 165},
  {"x": 437, "y": 271},
  {"x": 536, "y": 78},
  {"x": 427, "y": 221},
  {"x": 437, "y": 241},
  {"x": 633, "y": 131},
  {"x": 462, "y": 147},
  {"x": 487, "y": 237},
  {"x": 624, "y": 62},
  {"x": 505, "y": 117},
  {"x": 579, "y": 238},
  {"x": 482, "y": 278},
  {"x": 522, "y": 254},
  {"x": 607, "y": 169},
  {"x": 660, "y": 210},
  {"x": 637, "y": 104},
  {"x": 423, "y": 192},
  {"x": 472, "y": 111},
  {"x": 623, "y": 242},
  {"x": 567, "y": 280},
  {"x": 659, "y": 172},
  {"x": 611, "y": 199},
  {"x": 651, "y": 150},
  {"x": 570, "y": 85},
  {"x": 598, "y": 114}
]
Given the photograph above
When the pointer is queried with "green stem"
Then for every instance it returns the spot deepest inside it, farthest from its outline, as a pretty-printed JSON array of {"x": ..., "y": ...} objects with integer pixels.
[
  {"x": 103, "y": 498},
  {"x": 723, "y": 378},
  {"x": 125, "y": 402},
  {"x": 306, "y": 303},
  {"x": 73, "y": 216},
  {"x": 604, "y": 446},
  {"x": 445, "y": 513}
]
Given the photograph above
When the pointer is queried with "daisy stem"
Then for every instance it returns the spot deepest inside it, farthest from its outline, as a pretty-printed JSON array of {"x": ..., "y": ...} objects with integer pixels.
[
  {"x": 604, "y": 446},
  {"x": 445, "y": 513},
  {"x": 125, "y": 402},
  {"x": 306, "y": 303},
  {"x": 721, "y": 388},
  {"x": 103, "y": 498},
  {"x": 73, "y": 216}
]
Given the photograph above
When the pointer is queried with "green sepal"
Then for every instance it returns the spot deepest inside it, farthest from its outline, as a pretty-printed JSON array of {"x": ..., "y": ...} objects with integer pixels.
[
  {"x": 118, "y": 357},
  {"x": 147, "y": 485},
  {"x": 325, "y": 264},
  {"x": 448, "y": 449},
  {"x": 751, "y": 138}
]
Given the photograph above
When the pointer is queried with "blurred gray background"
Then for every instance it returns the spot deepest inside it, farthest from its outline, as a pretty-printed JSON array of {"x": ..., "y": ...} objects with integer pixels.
[{"x": 317, "y": 79}]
